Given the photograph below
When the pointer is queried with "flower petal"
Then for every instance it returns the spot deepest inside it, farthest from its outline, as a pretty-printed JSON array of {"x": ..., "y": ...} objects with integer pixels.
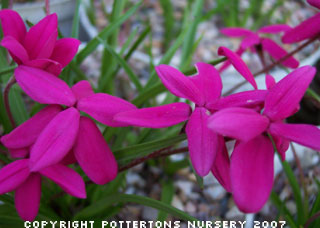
[
  {"x": 238, "y": 64},
  {"x": 248, "y": 99},
  {"x": 56, "y": 140},
  {"x": 284, "y": 97},
  {"x": 41, "y": 38},
  {"x": 239, "y": 123},
  {"x": 270, "y": 81},
  {"x": 277, "y": 52},
  {"x": 69, "y": 158},
  {"x": 43, "y": 87},
  {"x": 250, "y": 41},
  {"x": 13, "y": 175},
  {"x": 304, "y": 134},
  {"x": 156, "y": 117},
  {"x": 202, "y": 143},
  {"x": 47, "y": 65},
  {"x": 252, "y": 173},
  {"x": 305, "y": 30},
  {"x": 93, "y": 153},
  {"x": 27, "y": 133},
  {"x": 68, "y": 179},
  {"x": 178, "y": 84},
  {"x": 82, "y": 89},
  {"x": 103, "y": 107},
  {"x": 12, "y": 24},
  {"x": 282, "y": 145},
  {"x": 208, "y": 81},
  {"x": 227, "y": 63},
  {"x": 236, "y": 32},
  {"x": 27, "y": 197},
  {"x": 16, "y": 50},
  {"x": 315, "y": 3},
  {"x": 277, "y": 28},
  {"x": 64, "y": 50},
  {"x": 221, "y": 165}
]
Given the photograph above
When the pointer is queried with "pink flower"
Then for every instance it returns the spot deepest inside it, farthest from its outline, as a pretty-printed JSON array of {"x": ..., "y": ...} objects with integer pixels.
[
  {"x": 306, "y": 29},
  {"x": 27, "y": 185},
  {"x": 255, "y": 41},
  {"x": 58, "y": 131},
  {"x": 204, "y": 89},
  {"x": 39, "y": 46},
  {"x": 251, "y": 168}
]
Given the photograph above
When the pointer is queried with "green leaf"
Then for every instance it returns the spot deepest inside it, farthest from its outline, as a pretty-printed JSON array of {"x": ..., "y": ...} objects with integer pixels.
[
  {"x": 166, "y": 197},
  {"x": 105, "y": 33},
  {"x": 99, "y": 207},
  {"x": 4, "y": 119},
  {"x": 75, "y": 22},
  {"x": 17, "y": 105},
  {"x": 169, "y": 20},
  {"x": 143, "y": 149},
  {"x": 7, "y": 70},
  {"x": 4, "y": 4},
  {"x": 10, "y": 221}
]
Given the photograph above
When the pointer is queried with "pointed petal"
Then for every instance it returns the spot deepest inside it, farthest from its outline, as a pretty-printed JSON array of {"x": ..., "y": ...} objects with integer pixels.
[
  {"x": 47, "y": 65},
  {"x": 284, "y": 97},
  {"x": 252, "y": 173},
  {"x": 64, "y": 50},
  {"x": 305, "y": 30},
  {"x": 227, "y": 63},
  {"x": 103, "y": 107},
  {"x": 56, "y": 140},
  {"x": 93, "y": 153},
  {"x": 156, "y": 117},
  {"x": 16, "y": 50},
  {"x": 248, "y": 99},
  {"x": 27, "y": 133},
  {"x": 250, "y": 41},
  {"x": 82, "y": 89},
  {"x": 41, "y": 38},
  {"x": 236, "y": 32},
  {"x": 272, "y": 29},
  {"x": 19, "y": 153},
  {"x": 202, "y": 143},
  {"x": 221, "y": 165},
  {"x": 178, "y": 84},
  {"x": 27, "y": 197},
  {"x": 239, "y": 123},
  {"x": 315, "y": 3},
  {"x": 13, "y": 175},
  {"x": 12, "y": 24},
  {"x": 270, "y": 81},
  {"x": 208, "y": 81},
  {"x": 43, "y": 87},
  {"x": 304, "y": 134},
  {"x": 68, "y": 179},
  {"x": 277, "y": 52},
  {"x": 238, "y": 64}
]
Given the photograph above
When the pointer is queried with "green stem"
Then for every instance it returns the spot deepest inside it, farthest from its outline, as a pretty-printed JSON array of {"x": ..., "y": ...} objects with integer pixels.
[{"x": 11, "y": 82}]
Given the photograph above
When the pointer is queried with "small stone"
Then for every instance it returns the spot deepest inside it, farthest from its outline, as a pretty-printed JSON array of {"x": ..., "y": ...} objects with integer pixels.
[
  {"x": 291, "y": 206},
  {"x": 215, "y": 192},
  {"x": 190, "y": 207},
  {"x": 234, "y": 213},
  {"x": 149, "y": 213},
  {"x": 135, "y": 179},
  {"x": 176, "y": 202}
]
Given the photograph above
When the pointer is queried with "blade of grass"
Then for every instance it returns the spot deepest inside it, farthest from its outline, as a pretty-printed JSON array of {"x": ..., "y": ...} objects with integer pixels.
[
  {"x": 169, "y": 20},
  {"x": 107, "y": 202},
  {"x": 166, "y": 197},
  {"x": 17, "y": 105},
  {"x": 75, "y": 22},
  {"x": 105, "y": 33}
]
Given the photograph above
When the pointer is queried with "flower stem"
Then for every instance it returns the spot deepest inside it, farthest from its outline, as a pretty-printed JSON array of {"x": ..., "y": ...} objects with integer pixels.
[
  {"x": 268, "y": 68},
  {"x": 47, "y": 7},
  {"x": 11, "y": 82},
  {"x": 311, "y": 219}
]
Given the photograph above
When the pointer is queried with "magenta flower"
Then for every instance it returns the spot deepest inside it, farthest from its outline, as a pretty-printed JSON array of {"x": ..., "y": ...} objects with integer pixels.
[
  {"x": 39, "y": 46},
  {"x": 204, "y": 89},
  {"x": 251, "y": 166},
  {"x": 27, "y": 185},
  {"x": 306, "y": 29},
  {"x": 256, "y": 42},
  {"x": 57, "y": 131}
]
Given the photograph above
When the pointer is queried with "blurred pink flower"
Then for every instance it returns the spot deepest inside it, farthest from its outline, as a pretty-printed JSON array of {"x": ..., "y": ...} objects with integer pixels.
[
  {"x": 251, "y": 166},
  {"x": 27, "y": 185},
  {"x": 307, "y": 29},
  {"x": 39, "y": 46},
  {"x": 253, "y": 40}
]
